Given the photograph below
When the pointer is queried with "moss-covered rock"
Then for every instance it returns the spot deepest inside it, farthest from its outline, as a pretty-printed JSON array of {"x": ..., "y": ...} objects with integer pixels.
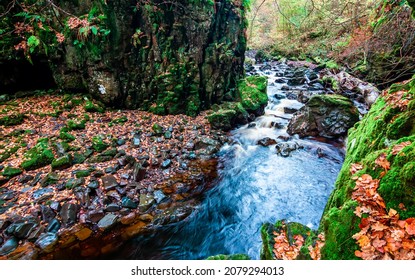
[
  {"x": 62, "y": 162},
  {"x": 388, "y": 124},
  {"x": 10, "y": 171},
  {"x": 98, "y": 144},
  {"x": 39, "y": 156},
  {"x": 253, "y": 92},
  {"x": 13, "y": 119},
  {"x": 324, "y": 115}
]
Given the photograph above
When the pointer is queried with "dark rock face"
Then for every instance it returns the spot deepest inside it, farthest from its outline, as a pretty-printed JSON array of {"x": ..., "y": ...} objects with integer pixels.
[
  {"x": 324, "y": 115},
  {"x": 167, "y": 56}
]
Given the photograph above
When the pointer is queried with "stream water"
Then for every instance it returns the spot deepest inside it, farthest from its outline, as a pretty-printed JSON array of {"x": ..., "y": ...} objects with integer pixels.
[{"x": 256, "y": 185}]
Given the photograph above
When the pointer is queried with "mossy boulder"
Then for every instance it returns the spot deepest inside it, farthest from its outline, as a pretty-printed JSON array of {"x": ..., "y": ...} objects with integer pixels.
[
  {"x": 39, "y": 156},
  {"x": 98, "y": 144},
  {"x": 324, "y": 115},
  {"x": 388, "y": 124},
  {"x": 253, "y": 93},
  {"x": 228, "y": 115},
  {"x": 10, "y": 171}
]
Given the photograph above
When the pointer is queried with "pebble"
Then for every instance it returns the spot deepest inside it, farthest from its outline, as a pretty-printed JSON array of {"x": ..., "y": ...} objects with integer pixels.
[
  {"x": 109, "y": 182},
  {"x": 128, "y": 203},
  {"x": 47, "y": 241},
  {"x": 68, "y": 213},
  {"x": 166, "y": 164},
  {"x": 9, "y": 246},
  {"x": 53, "y": 226},
  {"x": 107, "y": 222},
  {"x": 112, "y": 207}
]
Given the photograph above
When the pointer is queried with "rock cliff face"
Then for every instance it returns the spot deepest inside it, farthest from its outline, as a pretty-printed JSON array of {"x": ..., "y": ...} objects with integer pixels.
[{"x": 169, "y": 57}]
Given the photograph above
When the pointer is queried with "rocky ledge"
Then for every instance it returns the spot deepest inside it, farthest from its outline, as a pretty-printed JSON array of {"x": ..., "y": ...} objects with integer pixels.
[{"x": 77, "y": 180}]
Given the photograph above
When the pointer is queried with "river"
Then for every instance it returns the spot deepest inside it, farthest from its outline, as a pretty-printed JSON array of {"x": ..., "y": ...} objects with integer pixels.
[{"x": 255, "y": 185}]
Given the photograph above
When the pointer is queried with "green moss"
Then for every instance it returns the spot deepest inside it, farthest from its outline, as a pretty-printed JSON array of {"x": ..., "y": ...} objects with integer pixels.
[
  {"x": 333, "y": 100},
  {"x": 253, "y": 92},
  {"x": 404, "y": 125},
  {"x": 98, "y": 144},
  {"x": 158, "y": 129},
  {"x": 39, "y": 156},
  {"x": 82, "y": 173},
  {"x": 14, "y": 119},
  {"x": 8, "y": 153},
  {"x": 72, "y": 125},
  {"x": 10, "y": 172},
  {"x": 66, "y": 136},
  {"x": 238, "y": 257},
  {"x": 62, "y": 162},
  {"x": 339, "y": 225},
  {"x": 91, "y": 107}
]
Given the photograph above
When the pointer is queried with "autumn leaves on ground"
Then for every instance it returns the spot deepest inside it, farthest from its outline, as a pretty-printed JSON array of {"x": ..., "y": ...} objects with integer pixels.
[{"x": 85, "y": 170}]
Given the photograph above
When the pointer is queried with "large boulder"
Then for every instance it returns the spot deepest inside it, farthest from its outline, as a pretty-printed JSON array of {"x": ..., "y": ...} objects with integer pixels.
[
  {"x": 168, "y": 57},
  {"x": 324, "y": 115}
]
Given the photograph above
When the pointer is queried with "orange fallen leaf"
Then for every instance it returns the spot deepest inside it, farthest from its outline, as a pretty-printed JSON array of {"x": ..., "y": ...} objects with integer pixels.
[{"x": 383, "y": 162}]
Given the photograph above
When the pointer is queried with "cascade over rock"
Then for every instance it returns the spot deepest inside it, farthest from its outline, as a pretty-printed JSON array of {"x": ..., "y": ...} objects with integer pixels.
[{"x": 166, "y": 56}]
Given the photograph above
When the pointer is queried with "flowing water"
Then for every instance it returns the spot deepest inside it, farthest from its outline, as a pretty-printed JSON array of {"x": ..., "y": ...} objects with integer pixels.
[{"x": 256, "y": 185}]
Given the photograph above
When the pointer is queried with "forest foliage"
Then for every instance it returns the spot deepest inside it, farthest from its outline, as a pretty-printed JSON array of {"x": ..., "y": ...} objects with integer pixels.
[{"x": 371, "y": 38}]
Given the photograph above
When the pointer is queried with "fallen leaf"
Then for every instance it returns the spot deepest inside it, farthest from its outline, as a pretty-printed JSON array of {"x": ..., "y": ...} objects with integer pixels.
[
  {"x": 383, "y": 162},
  {"x": 399, "y": 147}
]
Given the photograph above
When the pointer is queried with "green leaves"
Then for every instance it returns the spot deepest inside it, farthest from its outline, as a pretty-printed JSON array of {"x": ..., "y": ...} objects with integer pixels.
[{"x": 33, "y": 42}]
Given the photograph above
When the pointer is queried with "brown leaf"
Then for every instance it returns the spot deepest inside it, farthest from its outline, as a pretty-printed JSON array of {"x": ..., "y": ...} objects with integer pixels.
[
  {"x": 410, "y": 226},
  {"x": 383, "y": 162},
  {"x": 398, "y": 148},
  {"x": 355, "y": 167}
]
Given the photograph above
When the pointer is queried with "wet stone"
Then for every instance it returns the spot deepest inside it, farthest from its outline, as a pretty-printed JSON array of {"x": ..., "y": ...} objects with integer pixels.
[
  {"x": 55, "y": 205},
  {"x": 128, "y": 203},
  {"x": 166, "y": 164},
  {"x": 112, "y": 207},
  {"x": 114, "y": 195},
  {"x": 68, "y": 213},
  {"x": 110, "y": 170},
  {"x": 9, "y": 246},
  {"x": 168, "y": 135},
  {"x": 53, "y": 226},
  {"x": 25, "y": 179},
  {"x": 109, "y": 182},
  {"x": 120, "y": 142},
  {"x": 265, "y": 142},
  {"x": 47, "y": 241},
  {"x": 7, "y": 196},
  {"x": 95, "y": 215},
  {"x": 139, "y": 172},
  {"x": 107, "y": 222},
  {"x": 42, "y": 194},
  {"x": 146, "y": 201},
  {"x": 47, "y": 213},
  {"x": 22, "y": 230},
  {"x": 73, "y": 183},
  {"x": 159, "y": 196},
  {"x": 93, "y": 184}
]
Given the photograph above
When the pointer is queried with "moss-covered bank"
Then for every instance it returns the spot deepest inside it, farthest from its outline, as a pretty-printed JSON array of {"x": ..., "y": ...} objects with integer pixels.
[{"x": 389, "y": 123}]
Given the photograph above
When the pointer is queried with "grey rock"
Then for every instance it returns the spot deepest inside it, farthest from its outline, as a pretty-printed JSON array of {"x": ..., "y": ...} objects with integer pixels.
[
  {"x": 107, "y": 222},
  {"x": 146, "y": 201},
  {"x": 69, "y": 213},
  {"x": 47, "y": 241},
  {"x": 9, "y": 246},
  {"x": 109, "y": 182}
]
